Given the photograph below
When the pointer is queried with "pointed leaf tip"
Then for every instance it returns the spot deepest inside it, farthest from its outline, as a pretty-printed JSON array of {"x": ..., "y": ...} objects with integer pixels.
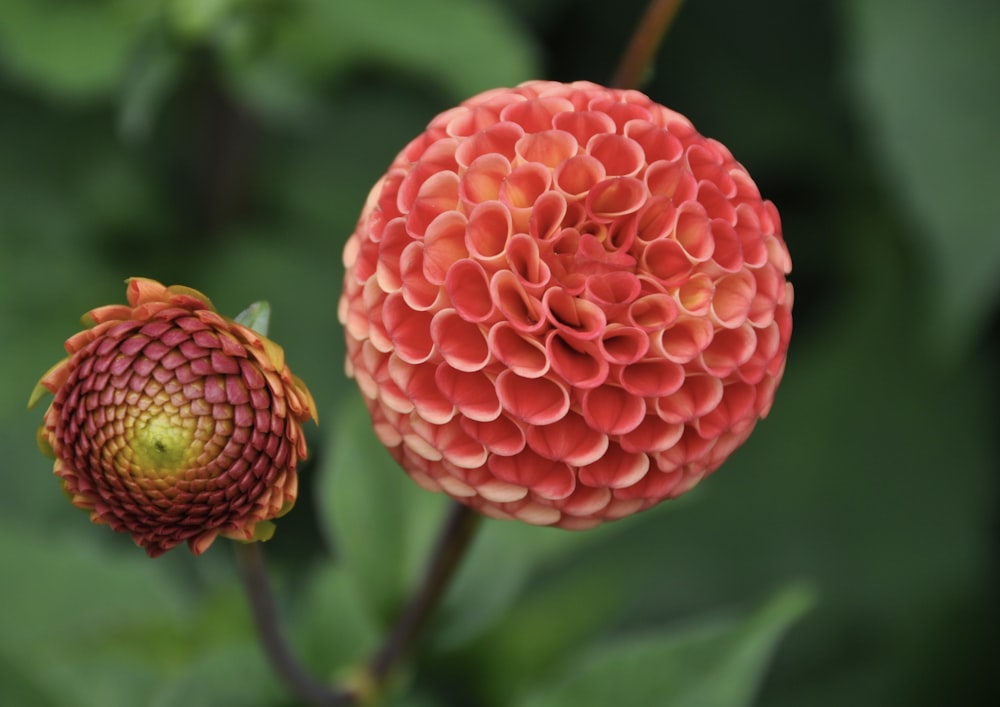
[{"x": 257, "y": 317}]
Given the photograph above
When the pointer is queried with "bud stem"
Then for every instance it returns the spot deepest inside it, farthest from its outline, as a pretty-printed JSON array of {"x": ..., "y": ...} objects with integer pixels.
[
  {"x": 635, "y": 63},
  {"x": 253, "y": 572},
  {"x": 456, "y": 533}
]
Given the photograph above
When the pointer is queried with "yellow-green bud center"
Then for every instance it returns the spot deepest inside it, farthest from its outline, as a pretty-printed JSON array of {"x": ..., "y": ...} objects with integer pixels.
[{"x": 162, "y": 444}]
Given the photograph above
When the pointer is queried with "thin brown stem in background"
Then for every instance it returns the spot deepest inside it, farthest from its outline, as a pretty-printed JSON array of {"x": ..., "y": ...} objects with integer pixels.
[{"x": 645, "y": 42}]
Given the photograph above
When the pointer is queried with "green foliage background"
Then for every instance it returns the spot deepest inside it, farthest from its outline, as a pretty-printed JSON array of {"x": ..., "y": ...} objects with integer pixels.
[{"x": 229, "y": 144}]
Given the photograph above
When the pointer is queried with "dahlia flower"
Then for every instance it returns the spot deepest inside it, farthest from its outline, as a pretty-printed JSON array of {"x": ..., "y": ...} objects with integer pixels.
[
  {"x": 173, "y": 423},
  {"x": 563, "y": 304}
]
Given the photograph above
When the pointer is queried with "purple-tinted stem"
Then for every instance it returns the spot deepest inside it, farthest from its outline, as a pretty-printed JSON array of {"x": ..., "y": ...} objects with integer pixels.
[{"x": 253, "y": 572}]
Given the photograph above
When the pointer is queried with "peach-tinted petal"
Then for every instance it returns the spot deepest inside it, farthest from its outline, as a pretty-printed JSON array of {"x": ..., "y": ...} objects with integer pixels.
[
  {"x": 621, "y": 156},
  {"x": 468, "y": 290},
  {"x": 579, "y": 364},
  {"x": 563, "y": 305},
  {"x": 546, "y": 477},
  {"x": 578, "y": 175},
  {"x": 523, "y": 355},
  {"x": 615, "y": 197},
  {"x": 613, "y": 410},
  {"x": 569, "y": 439},
  {"x": 409, "y": 330},
  {"x": 461, "y": 343},
  {"x": 616, "y": 469},
  {"x": 537, "y": 401},
  {"x": 473, "y": 394},
  {"x": 548, "y": 147}
]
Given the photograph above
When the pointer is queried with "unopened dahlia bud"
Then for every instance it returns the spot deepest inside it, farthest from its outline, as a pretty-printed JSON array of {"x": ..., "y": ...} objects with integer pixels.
[
  {"x": 173, "y": 423},
  {"x": 564, "y": 305}
]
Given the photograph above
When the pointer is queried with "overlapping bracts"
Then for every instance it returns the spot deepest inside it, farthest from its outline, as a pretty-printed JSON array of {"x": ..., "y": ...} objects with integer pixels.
[
  {"x": 173, "y": 423},
  {"x": 564, "y": 305}
]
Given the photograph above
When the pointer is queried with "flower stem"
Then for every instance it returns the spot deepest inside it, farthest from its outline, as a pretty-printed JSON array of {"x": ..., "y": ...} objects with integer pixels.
[
  {"x": 645, "y": 42},
  {"x": 456, "y": 533},
  {"x": 253, "y": 572},
  {"x": 453, "y": 540}
]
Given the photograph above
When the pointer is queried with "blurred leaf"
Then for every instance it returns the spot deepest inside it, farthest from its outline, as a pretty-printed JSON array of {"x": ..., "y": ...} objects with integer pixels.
[
  {"x": 154, "y": 72},
  {"x": 66, "y": 607},
  {"x": 718, "y": 664},
  {"x": 224, "y": 676},
  {"x": 467, "y": 46},
  {"x": 379, "y": 523},
  {"x": 333, "y": 628},
  {"x": 68, "y": 49},
  {"x": 927, "y": 74},
  {"x": 502, "y": 559},
  {"x": 17, "y": 688}
]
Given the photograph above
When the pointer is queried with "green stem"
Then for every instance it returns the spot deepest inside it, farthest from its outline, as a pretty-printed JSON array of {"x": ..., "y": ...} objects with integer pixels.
[{"x": 638, "y": 57}]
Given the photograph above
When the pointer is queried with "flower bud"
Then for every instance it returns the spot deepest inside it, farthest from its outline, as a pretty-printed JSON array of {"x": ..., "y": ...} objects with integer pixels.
[
  {"x": 564, "y": 305},
  {"x": 175, "y": 424}
]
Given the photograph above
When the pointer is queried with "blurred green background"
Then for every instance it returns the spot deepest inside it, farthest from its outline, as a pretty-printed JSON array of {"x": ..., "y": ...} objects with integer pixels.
[{"x": 229, "y": 144}]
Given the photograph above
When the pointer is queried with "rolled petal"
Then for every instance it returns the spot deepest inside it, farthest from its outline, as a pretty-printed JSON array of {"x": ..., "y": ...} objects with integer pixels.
[{"x": 563, "y": 304}]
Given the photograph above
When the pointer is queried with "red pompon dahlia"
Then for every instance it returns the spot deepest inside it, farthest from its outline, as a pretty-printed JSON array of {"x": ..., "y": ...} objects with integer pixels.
[
  {"x": 173, "y": 423},
  {"x": 564, "y": 305}
]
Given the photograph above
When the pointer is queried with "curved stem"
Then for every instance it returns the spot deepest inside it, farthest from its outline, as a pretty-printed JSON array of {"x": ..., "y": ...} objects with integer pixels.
[
  {"x": 645, "y": 42},
  {"x": 455, "y": 535},
  {"x": 454, "y": 538},
  {"x": 253, "y": 572}
]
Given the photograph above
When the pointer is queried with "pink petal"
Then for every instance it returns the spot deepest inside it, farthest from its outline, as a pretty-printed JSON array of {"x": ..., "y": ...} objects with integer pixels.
[
  {"x": 652, "y": 378},
  {"x": 537, "y": 401},
  {"x": 444, "y": 244},
  {"x": 472, "y": 393},
  {"x": 548, "y": 147},
  {"x": 622, "y": 344},
  {"x": 488, "y": 231},
  {"x": 580, "y": 365},
  {"x": 409, "y": 330},
  {"x": 699, "y": 395},
  {"x": 569, "y": 439},
  {"x": 468, "y": 289},
  {"x": 616, "y": 469},
  {"x": 729, "y": 350},
  {"x": 651, "y": 435},
  {"x": 548, "y": 478},
  {"x": 578, "y": 175},
  {"x": 621, "y": 156},
  {"x": 615, "y": 197},
  {"x": 576, "y": 318},
  {"x": 461, "y": 343},
  {"x": 612, "y": 410},
  {"x": 523, "y": 355},
  {"x": 501, "y": 436}
]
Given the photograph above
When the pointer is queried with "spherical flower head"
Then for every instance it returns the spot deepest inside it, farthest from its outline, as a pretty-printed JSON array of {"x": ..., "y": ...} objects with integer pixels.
[
  {"x": 564, "y": 305},
  {"x": 173, "y": 423}
]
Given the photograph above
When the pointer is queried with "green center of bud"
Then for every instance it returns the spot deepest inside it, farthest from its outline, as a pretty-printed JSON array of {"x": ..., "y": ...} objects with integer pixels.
[{"x": 162, "y": 444}]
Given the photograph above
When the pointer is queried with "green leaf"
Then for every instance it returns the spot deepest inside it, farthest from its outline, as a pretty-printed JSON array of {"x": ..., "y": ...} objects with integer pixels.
[
  {"x": 233, "y": 674},
  {"x": 257, "y": 317},
  {"x": 714, "y": 664},
  {"x": 501, "y": 561},
  {"x": 926, "y": 74},
  {"x": 467, "y": 46},
  {"x": 71, "y": 612},
  {"x": 333, "y": 629},
  {"x": 68, "y": 49},
  {"x": 378, "y": 522}
]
